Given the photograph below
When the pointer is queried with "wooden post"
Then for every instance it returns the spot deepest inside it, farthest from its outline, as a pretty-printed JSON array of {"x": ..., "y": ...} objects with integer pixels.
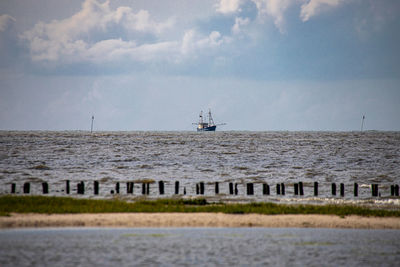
[
  {"x": 117, "y": 188},
  {"x": 129, "y": 187},
  {"x": 143, "y": 189},
  {"x": 96, "y": 187},
  {"x": 250, "y": 189},
  {"x": 231, "y": 188},
  {"x": 301, "y": 191},
  {"x": 316, "y": 189},
  {"x": 27, "y": 188},
  {"x": 81, "y": 188},
  {"x": 45, "y": 187},
  {"x": 67, "y": 186},
  {"x": 176, "y": 187},
  {"x": 278, "y": 189},
  {"x": 375, "y": 191},
  {"x": 341, "y": 189},
  {"x": 161, "y": 187},
  {"x": 13, "y": 186},
  {"x": 333, "y": 189},
  {"x": 355, "y": 189},
  {"x": 296, "y": 189},
  {"x": 283, "y": 189},
  {"x": 216, "y": 188},
  {"x": 265, "y": 189}
]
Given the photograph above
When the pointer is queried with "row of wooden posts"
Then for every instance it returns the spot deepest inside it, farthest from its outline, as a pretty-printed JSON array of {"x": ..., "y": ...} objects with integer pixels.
[{"x": 200, "y": 187}]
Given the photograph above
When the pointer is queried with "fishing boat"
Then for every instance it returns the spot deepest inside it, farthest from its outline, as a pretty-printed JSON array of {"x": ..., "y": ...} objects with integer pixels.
[{"x": 209, "y": 126}]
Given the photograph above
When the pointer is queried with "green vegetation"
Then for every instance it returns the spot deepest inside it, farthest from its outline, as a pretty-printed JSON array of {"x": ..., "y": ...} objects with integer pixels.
[{"x": 49, "y": 205}]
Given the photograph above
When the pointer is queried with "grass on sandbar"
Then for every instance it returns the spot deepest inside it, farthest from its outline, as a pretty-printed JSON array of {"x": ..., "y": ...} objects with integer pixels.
[{"x": 50, "y": 205}]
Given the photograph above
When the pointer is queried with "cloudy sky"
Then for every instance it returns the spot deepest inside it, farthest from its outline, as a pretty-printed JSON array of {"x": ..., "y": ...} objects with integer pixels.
[{"x": 153, "y": 65}]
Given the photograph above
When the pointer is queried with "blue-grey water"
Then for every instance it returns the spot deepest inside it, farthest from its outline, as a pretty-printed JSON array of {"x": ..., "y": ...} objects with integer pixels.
[
  {"x": 199, "y": 247},
  {"x": 190, "y": 157}
]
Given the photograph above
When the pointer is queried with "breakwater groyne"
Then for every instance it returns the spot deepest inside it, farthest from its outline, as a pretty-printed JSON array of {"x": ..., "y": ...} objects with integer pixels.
[{"x": 162, "y": 188}]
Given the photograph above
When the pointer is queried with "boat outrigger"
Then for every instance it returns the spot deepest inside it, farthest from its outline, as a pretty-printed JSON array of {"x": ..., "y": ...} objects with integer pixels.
[{"x": 209, "y": 126}]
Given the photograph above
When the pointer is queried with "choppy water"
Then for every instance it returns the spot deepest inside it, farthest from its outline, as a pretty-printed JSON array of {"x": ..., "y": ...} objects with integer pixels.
[
  {"x": 199, "y": 247},
  {"x": 191, "y": 157}
]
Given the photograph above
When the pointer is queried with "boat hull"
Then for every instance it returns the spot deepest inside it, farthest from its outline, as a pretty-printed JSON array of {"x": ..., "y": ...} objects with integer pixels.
[{"x": 207, "y": 129}]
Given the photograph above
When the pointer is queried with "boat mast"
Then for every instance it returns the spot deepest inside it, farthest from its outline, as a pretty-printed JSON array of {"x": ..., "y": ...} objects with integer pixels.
[
  {"x": 362, "y": 123},
  {"x": 91, "y": 126},
  {"x": 201, "y": 117},
  {"x": 210, "y": 119}
]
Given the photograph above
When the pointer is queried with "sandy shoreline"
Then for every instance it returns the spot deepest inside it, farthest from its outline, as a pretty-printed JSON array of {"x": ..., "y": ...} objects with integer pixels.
[{"x": 196, "y": 220}]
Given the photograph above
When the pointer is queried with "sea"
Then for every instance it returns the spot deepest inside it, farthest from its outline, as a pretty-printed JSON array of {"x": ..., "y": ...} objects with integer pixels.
[
  {"x": 190, "y": 158},
  {"x": 199, "y": 247}
]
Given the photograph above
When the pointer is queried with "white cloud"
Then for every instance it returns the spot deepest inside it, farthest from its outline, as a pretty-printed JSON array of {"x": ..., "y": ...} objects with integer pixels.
[
  {"x": 276, "y": 9},
  {"x": 99, "y": 34},
  {"x": 193, "y": 41},
  {"x": 228, "y": 6},
  {"x": 239, "y": 22},
  {"x": 147, "y": 52},
  {"x": 5, "y": 22},
  {"x": 265, "y": 8},
  {"x": 88, "y": 35},
  {"x": 140, "y": 21},
  {"x": 314, "y": 7}
]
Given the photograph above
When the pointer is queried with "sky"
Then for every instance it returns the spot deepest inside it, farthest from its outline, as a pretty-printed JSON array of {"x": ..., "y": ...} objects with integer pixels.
[{"x": 259, "y": 65}]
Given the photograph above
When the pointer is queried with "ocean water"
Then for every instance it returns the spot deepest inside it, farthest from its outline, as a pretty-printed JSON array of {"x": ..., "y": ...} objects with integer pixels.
[
  {"x": 199, "y": 247},
  {"x": 190, "y": 157}
]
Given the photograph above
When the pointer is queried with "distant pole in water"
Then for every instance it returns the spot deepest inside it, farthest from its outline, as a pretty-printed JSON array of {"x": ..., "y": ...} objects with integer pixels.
[
  {"x": 91, "y": 127},
  {"x": 362, "y": 123}
]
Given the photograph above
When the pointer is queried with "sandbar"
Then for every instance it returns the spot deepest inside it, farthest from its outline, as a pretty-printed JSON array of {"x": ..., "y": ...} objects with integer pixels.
[{"x": 33, "y": 220}]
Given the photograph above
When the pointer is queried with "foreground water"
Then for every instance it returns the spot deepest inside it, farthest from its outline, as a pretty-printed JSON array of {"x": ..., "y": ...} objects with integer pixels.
[
  {"x": 189, "y": 157},
  {"x": 199, "y": 246}
]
